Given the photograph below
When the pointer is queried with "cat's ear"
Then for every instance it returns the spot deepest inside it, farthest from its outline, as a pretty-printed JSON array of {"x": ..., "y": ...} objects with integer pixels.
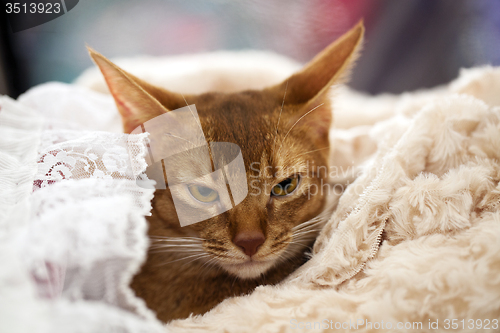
[
  {"x": 137, "y": 101},
  {"x": 311, "y": 86},
  {"x": 330, "y": 66}
]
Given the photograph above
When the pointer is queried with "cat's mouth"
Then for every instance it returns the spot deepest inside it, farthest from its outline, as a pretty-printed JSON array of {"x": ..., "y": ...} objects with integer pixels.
[{"x": 249, "y": 269}]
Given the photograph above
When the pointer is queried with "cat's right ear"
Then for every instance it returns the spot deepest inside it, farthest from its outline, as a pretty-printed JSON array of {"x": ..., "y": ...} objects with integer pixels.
[
  {"x": 310, "y": 87},
  {"x": 133, "y": 97},
  {"x": 329, "y": 67}
]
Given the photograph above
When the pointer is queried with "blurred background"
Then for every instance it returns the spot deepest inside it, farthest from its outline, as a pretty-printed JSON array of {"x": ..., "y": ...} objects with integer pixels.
[{"x": 410, "y": 44}]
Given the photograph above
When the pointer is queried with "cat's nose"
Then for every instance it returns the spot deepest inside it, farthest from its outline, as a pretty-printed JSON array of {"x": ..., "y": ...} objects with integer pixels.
[{"x": 249, "y": 241}]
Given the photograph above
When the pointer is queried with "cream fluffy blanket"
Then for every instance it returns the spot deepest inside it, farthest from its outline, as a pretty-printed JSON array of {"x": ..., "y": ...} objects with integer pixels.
[{"x": 414, "y": 244}]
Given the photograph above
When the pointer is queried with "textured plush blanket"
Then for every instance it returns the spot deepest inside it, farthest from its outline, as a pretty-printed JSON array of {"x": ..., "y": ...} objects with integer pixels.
[{"x": 414, "y": 244}]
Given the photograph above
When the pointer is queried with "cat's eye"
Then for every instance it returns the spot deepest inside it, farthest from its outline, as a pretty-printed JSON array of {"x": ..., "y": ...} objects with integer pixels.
[
  {"x": 285, "y": 187},
  {"x": 203, "y": 193}
]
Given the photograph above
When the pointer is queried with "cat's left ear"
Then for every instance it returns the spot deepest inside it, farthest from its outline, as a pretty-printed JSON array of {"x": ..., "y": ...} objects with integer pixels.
[
  {"x": 310, "y": 88},
  {"x": 136, "y": 100}
]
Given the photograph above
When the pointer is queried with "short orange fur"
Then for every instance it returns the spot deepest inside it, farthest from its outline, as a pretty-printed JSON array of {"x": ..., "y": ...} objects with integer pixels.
[{"x": 283, "y": 128}]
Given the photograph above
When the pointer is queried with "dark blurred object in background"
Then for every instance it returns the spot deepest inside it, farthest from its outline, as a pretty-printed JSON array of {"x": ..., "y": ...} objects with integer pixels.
[
  {"x": 12, "y": 79},
  {"x": 410, "y": 44}
]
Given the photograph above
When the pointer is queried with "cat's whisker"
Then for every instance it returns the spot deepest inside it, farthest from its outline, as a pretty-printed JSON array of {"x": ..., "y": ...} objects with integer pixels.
[
  {"x": 283, "y": 259},
  {"x": 317, "y": 226},
  {"x": 305, "y": 232},
  {"x": 177, "y": 245},
  {"x": 229, "y": 255},
  {"x": 209, "y": 264},
  {"x": 174, "y": 242},
  {"x": 178, "y": 137},
  {"x": 304, "y": 241},
  {"x": 305, "y": 228},
  {"x": 177, "y": 241},
  {"x": 312, "y": 151},
  {"x": 234, "y": 280},
  {"x": 310, "y": 224},
  {"x": 308, "y": 112},
  {"x": 321, "y": 218},
  {"x": 196, "y": 256},
  {"x": 176, "y": 238},
  {"x": 291, "y": 253},
  {"x": 192, "y": 261},
  {"x": 312, "y": 221},
  {"x": 192, "y": 113},
  {"x": 300, "y": 243},
  {"x": 279, "y": 117},
  {"x": 194, "y": 244},
  {"x": 174, "y": 249},
  {"x": 282, "y": 240},
  {"x": 297, "y": 247},
  {"x": 296, "y": 242},
  {"x": 177, "y": 251},
  {"x": 204, "y": 257}
]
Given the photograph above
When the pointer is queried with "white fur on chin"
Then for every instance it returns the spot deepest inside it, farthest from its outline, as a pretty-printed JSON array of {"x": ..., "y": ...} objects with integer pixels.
[{"x": 249, "y": 269}]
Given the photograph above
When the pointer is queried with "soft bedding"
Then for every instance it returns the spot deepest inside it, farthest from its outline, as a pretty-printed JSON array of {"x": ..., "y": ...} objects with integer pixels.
[{"x": 413, "y": 245}]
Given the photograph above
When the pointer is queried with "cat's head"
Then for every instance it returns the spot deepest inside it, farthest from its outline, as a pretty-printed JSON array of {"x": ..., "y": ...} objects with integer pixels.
[{"x": 282, "y": 132}]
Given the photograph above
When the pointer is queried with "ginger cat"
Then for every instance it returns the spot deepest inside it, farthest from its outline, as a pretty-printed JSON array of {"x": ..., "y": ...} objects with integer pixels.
[{"x": 283, "y": 135}]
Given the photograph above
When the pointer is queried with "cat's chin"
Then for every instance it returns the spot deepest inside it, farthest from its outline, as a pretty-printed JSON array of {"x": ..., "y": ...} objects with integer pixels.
[{"x": 249, "y": 269}]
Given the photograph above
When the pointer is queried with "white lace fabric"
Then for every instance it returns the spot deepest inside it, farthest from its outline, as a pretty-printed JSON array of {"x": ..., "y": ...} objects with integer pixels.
[{"x": 72, "y": 225}]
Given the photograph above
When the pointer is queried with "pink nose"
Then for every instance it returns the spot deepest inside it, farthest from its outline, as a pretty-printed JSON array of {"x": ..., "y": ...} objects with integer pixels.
[{"x": 249, "y": 241}]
